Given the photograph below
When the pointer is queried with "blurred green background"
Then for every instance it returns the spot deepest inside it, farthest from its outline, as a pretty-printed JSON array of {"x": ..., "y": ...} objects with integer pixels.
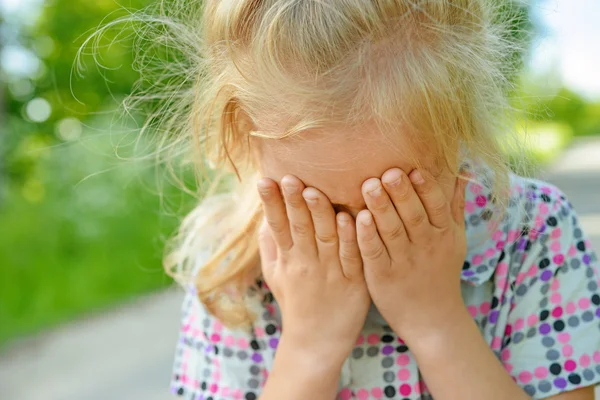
[{"x": 83, "y": 220}]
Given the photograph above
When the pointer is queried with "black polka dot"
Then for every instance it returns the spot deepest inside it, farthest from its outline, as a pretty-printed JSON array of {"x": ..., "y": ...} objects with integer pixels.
[
  {"x": 559, "y": 325},
  {"x": 250, "y": 396},
  {"x": 545, "y": 197},
  {"x": 203, "y": 386},
  {"x": 525, "y": 231},
  {"x": 495, "y": 302},
  {"x": 466, "y": 265},
  {"x": 268, "y": 298},
  {"x": 544, "y": 263},
  {"x": 544, "y": 315},
  {"x": 270, "y": 329},
  {"x": 555, "y": 369},
  {"x": 209, "y": 398},
  {"x": 216, "y": 350},
  {"x": 581, "y": 246},
  {"x": 176, "y": 377},
  {"x": 254, "y": 344},
  {"x": 552, "y": 221},
  {"x": 596, "y": 299},
  {"x": 180, "y": 391},
  {"x": 389, "y": 391},
  {"x": 387, "y": 338},
  {"x": 402, "y": 348},
  {"x": 575, "y": 379}
]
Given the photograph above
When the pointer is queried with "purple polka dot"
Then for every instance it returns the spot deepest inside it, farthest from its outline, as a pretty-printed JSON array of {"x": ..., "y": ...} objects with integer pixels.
[
  {"x": 387, "y": 350},
  {"x": 493, "y": 317},
  {"x": 468, "y": 272},
  {"x": 560, "y": 383},
  {"x": 201, "y": 397},
  {"x": 546, "y": 275},
  {"x": 208, "y": 349},
  {"x": 256, "y": 358},
  {"x": 586, "y": 259},
  {"x": 273, "y": 343},
  {"x": 531, "y": 195},
  {"x": 173, "y": 390},
  {"x": 545, "y": 329},
  {"x": 542, "y": 229},
  {"x": 598, "y": 312}
]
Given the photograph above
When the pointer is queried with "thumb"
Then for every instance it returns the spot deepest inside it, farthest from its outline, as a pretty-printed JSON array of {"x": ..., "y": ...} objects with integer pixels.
[
  {"x": 267, "y": 248},
  {"x": 458, "y": 202}
]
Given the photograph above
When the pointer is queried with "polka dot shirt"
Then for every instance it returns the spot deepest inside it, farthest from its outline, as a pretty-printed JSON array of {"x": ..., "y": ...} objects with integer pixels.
[{"x": 530, "y": 283}]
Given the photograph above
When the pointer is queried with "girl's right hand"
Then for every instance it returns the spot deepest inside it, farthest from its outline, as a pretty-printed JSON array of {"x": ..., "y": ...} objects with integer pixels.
[{"x": 311, "y": 262}]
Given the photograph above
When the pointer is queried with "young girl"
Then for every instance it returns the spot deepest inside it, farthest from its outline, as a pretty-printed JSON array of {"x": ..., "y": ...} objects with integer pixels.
[{"x": 367, "y": 240}]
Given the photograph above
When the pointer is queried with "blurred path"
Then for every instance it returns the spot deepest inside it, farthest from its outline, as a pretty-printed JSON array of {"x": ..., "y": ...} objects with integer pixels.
[{"x": 127, "y": 354}]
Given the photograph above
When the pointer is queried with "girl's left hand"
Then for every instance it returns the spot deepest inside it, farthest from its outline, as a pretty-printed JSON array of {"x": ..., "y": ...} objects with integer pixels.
[{"x": 412, "y": 241}]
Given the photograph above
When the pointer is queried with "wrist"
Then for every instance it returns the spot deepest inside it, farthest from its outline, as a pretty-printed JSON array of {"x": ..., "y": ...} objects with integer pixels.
[{"x": 316, "y": 357}]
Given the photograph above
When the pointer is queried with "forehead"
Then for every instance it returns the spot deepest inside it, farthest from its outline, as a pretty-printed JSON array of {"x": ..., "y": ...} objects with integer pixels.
[{"x": 336, "y": 160}]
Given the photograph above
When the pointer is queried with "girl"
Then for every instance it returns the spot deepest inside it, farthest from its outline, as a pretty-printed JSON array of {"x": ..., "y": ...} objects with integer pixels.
[{"x": 374, "y": 244}]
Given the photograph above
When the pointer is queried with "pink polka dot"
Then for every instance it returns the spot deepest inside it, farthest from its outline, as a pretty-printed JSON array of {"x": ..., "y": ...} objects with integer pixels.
[
  {"x": 498, "y": 235},
  {"x": 377, "y": 393},
  {"x": 417, "y": 388},
  {"x": 260, "y": 332},
  {"x": 403, "y": 374},
  {"x": 532, "y": 320},
  {"x": 469, "y": 207},
  {"x": 525, "y": 377},
  {"x": 405, "y": 389},
  {"x": 555, "y": 284},
  {"x": 217, "y": 326},
  {"x": 572, "y": 251},
  {"x": 502, "y": 269},
  {"x": 360, "y": 340},
  {"x": 472, "y": 310},
  {"x": 596, "y": 356},
  {"x": 584, "y": 360},
  {"x": 556, "y": 298},
  {"x": 567, "y": 350},
  {"x": 519, "y": 324},
  {"x": 403, "y": 360},
  {"x": 543, "y": 209},
  {"x": 532, "y": 271},
  {"x": 214, "y": 388},
  {"x": 225, "y": 391},
  {"x": 512, "y": 235},
  {"x": 570, "y": 365},
  {"x": 555, "y": 233},
  {"x": 242, "y": 343},
  {"x": 584, "y": 303},
  {"x": 484, "y": 308},
  {"x": 557, "y": 312},
  {"x": 373, "y": 339},
  {"x": 362, "y": 394},
  {"x": 555, "y": 246},
  {"x": 563, "y": 337},
  {"x": 520, "y": 277},
  {"x": 237, "y": 394},
  {"x": 481, "y": 201},
  {"x": 477, "y": 259},
  {"x": 508, "y": 367},
  {"x": 505, "y": 355},
  {"x": 571, "y": 308},
  {"x": 215, "y": 338},
  {"x": 558, "y": 259},
  {"x": 475, "y": 188},
  {"x": 184, "y": 379},
  {"x": 541, "y": 372},
  {"x": 496, "y": 342},
  {"x": 500, "y": 282},
  {"x": 345, "y": 394},
  {"x": 229, "y": 341}
]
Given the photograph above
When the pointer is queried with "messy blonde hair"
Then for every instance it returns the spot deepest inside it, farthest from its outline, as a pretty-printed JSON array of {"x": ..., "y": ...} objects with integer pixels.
[{"x": 438, "y": 67}]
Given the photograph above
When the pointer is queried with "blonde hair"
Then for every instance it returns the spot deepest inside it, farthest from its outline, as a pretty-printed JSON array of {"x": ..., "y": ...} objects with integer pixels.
[{"x": 439, "y": 67}]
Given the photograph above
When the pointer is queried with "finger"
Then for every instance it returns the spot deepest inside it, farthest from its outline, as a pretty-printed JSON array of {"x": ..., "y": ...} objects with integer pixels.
[
  {"x": 323, "y": 218},
  {"x": 388, "y": 222},
  {"x": 407, "y": 203},
  {"x": 301, "y": 226},
  {"x": 372, "y": 250},
  {"x": 275, "y": 213},
  {"x": 267, "y": 249},
  {"x": 352, "y": 266},
  {"x": 458, "y": 201},
  {"x": 436, "y": 204}
]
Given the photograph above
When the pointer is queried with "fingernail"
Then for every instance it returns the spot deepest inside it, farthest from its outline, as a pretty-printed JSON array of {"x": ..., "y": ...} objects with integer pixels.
[
  {"x": 367, "y": 219},
  {"x": 393, "y": 178},
  {"x": 310, "y": 198},
  {"x": 373, "y": 188},
  {"x": 263, "y": 187},
  {"x": 416, "y": 177},
  {"x": 342, "y": 220}
]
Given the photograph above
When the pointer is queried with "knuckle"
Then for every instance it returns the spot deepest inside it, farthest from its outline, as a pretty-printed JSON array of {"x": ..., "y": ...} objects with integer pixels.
[
  {"x": 326, "y": 238},
  {"x": 396, "y": 232},
  {"x": 277, "y": 227},
  {"x": 300, "y": 229},
  {"x": 373, "y": 253},
  {"x": 416, "y": 219},
  {"x": 438, "y": 208}
]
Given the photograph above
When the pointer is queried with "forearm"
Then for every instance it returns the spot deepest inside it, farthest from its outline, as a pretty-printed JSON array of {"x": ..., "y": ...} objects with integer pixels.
[
  {"x": 457, "y": 363},
  {"x": 301, "y": 374}
]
